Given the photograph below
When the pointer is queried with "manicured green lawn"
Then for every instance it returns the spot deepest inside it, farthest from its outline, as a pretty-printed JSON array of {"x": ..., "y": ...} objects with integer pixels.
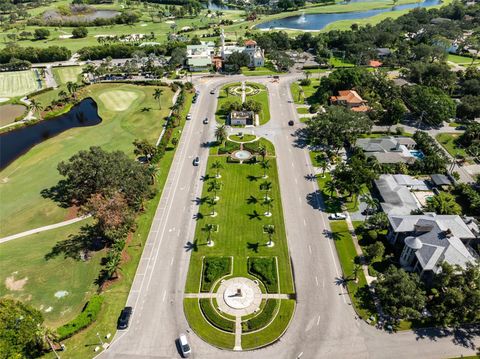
[
  {"x": 243, "y": 138},
  {"x": 261, "y": 97},
  {"x": 241, "y": 222},
  {"x": 258, "y": 71},
  {"x": 25, "y": 178},
  {"x": 462, "y": 60},
  {"x": 24, "y": 259},
  {"x": 302, "y": 110},
  {"x": 274, "y": 330},
  {"x": 359, "y": 295},
  {"x": 203, "y": 328},
  {"x": 17, "y": 83},
  {"x": 308, "y": 92},
  {"x": 65, "y": 74},
  {"x": 448, "y": 141}
]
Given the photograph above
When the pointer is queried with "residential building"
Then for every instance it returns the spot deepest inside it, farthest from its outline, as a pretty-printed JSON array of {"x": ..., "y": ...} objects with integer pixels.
[
  {"x": 390, "y": 149},
  {"x": 199, "y": 57},
  {"x": 395, "y": 192},
  {"x": 351, "y": 100},
  {"x": 440, "y": 181},
  {"x": 429, "y": 240},
  {"x": 243, "y": 118}
]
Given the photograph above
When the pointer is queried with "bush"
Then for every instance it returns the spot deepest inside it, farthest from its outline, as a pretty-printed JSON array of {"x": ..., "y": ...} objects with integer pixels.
[
  {"x": 262, "y": 319},
  {"x": 266, "y": 270},
  {"x": 215, "y": 319},
  {"x": 213, "y": 269},
  {"x": 305, "y": 82},
  {"x": 83, "y": 320},
  {"x": 372, "y": 234},
  {"x": 80, "y": 32},
  {"x": 314, "y": 108}
]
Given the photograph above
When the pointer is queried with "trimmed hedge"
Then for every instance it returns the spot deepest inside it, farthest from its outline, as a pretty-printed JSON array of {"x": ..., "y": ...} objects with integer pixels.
[
  {"x": 215, "y": 319},
  {"x": 262, "y": 319},
  {"x": 229, "y": 147},
  {"x": 83, "y": 320},
  {"x": 266, "y": 269},
  {"x": 213, "y": 269}
]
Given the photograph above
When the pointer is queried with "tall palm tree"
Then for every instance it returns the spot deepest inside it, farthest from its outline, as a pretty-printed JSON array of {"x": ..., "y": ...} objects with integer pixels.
[
  {"x": 370, "y": 202},
  {"x": 262, "y": 150},
  {"x": 270, "y": 231},
  {"x": 221, "y": 134},
  {"x": 301, "y": 94},
  {"x": 331, "y": 187},
  {"x": 157, "y": 95},
  {"x": 72, "y": 87},
  {"x": 268, "y": 203},
  {"x": 265, "y": 166},
  {"x": 443, "y": 203},
  {"x": 209, "y": 228},
  {"x": 211, "y": 202},
  {"x": 35, "y": 107},
  {"x": 112, "y": 263},
  {"x": 322, "y": 163},
  {"x": 307, "y": 74},
  {"x": 217, "y": 166},
  {"x": 266, "y": 186},
  {"x": 214, "y": 186}
]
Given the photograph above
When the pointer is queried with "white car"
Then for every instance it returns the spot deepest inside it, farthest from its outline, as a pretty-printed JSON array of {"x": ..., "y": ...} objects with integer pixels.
[
  {"x": 189, "y": 116},
  {"x": 184, "y": 347},
  {"x": 337, "y": 216}
]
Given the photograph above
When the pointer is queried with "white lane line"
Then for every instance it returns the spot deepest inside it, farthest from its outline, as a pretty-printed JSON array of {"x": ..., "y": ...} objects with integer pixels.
[
  {"x": 310, "y": 249},
  {"x": 299, "y": 355},
  {"x": 304, "y": 222},
  {"x": 316, "y": 280},
  {"x": 293, "y": 165},
  {"x": 296, "y": 181},
  {"x": 171, "y": 262},
  {"x": 318, "y": 320},
  {"x": 164, "y": 295}
]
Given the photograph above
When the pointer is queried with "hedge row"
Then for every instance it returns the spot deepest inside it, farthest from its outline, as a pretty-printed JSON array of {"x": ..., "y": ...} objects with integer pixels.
[
  {"x": 265, "y": 268},
  {"x": 262, "y": 319},
  {"x": 83, "y": 320},
  {"x": 213, "y": 269},
  {"x": 215, "y": 319}
]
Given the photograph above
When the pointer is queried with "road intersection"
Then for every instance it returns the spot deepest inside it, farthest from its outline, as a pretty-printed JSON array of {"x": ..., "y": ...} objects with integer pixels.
[{"x": 325, "y": 324}]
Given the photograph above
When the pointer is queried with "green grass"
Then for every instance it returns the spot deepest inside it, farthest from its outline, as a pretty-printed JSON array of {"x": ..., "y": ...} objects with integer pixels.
[
  {"x": 261, "y": 97},
  {"x": 263, "y": 318},
  {"x": 204, "y": 329},
  {"x": 346, "y": 254},
  {"x": 240, "y": 232},
  {"x": 448, "y": 141},
  {"x": 218, "y": 268},
  {"x": 258, "y": 71},
  {"x": 24, "y": 258},
  {"x": 274, "y": 330},
  {"x": 337, "y": 62},
  {"x": 214, "y": 318},
  {"x": 308, "y": 93},
  {"x": 26, "y": 177},
  {"x": 65, "y": 74},
  {"x": 244, "y": 138},
  {"x": 462, "y": 60},
  {"x": 17, "y": 83},
  {"x": 303, "y": 110},
  {"x": 117, "y": 293}
]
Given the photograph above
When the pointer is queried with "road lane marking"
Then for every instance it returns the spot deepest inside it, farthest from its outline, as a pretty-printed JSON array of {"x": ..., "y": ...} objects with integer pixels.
[
  {"x": 164, "y": 295},
  {"x": 310, "y": 249},
  {"x": 304, "y": 222},
  {"x": 171, "y": 262},
  {"x": 318, "y": 320},
  {"x": 293, "y": 165},
  {"x": 296, "y": 182},
  {"x": 299, "y": 355},
  {"x": 316, "y": 280}
]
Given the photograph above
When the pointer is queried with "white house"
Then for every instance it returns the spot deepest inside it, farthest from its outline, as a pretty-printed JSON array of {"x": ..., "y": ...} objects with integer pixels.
[{"x": 255, "y": 53}]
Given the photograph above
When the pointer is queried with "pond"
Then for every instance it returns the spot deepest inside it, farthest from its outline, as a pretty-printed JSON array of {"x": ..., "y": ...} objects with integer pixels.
[
  {"x": 16, "y": 142},
  {"x": 312, "y": 22}
]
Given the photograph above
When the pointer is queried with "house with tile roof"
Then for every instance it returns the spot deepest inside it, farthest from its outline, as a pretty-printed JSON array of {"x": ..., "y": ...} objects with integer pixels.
[{"x": 351, "y": 100}]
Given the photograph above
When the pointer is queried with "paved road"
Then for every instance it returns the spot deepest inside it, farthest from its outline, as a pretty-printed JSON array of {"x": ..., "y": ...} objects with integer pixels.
[{"x": 324, "y": 325}]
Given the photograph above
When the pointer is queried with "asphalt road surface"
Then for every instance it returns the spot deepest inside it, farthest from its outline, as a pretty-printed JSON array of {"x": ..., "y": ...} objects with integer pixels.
[{"x": 324, "y": 325}]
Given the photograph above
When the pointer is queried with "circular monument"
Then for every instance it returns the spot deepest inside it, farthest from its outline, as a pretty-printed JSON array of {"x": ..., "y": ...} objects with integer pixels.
[
  {"x": 242, "y": 155},
  {"x": 239, "y": 296}
]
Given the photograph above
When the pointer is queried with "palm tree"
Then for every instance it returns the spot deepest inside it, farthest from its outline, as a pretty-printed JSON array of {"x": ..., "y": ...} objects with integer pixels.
[
  {"x": 443, "y": 203},
  {"x": 268, "y": 203},
  {"x": 262, "y": 150},
  {"x": 331, "y": 187},
  {"x": 217, "y": 166},
  {"x": 35, "y": 107},
  {"x": 211, "y": 202},
  {"x": 214, "y": 186},
  {"x": 265, "y": 166},
  {"x": 112, "y": 263},
  {"x": 370, "y": 202},
  {"x": 209, "y": 228},
  {"x": 307, "y": 74},
  {"x": 157, "y": 95},
  {"x": 221, "y": 134},
  {"x": 266, "y": 186},
  {"x": 322, "y": 163},
  {"x": 72, "y": 87},
  {"x": 270, "y": 231},
  {"x": 62, "y": 94},
  {"x": 301, "y": 94}
]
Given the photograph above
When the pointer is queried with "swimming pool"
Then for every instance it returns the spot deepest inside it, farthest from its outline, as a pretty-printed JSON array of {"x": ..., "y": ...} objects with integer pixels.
[{"x": 417, "y": 154}]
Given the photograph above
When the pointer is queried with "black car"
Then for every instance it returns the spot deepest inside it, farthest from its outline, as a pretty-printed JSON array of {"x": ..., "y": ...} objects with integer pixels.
[
  {"x": 290, "y": 123},
  {"x": 124, "y": 318},
  {"x": 196, "y": 161},
  {"x": 205, "y": 122}
]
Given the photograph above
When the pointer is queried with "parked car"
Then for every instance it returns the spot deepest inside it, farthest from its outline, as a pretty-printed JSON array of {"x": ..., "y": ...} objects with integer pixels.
[
  {"x": 205, "y": 121},
  {"x": 337, "y": 216},
  {"x": 290, "y": 123},
  {"x": 184, "y": 346},
  {"x": 189, "y": 116},
  {"x": 196, "y": 161},
  {"x": 124, "y": 318},
  {"x": 461, "y": 128}
]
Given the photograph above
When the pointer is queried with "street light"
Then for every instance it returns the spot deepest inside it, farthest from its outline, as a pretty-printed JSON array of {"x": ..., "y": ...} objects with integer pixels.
[{"x": 99, "y": 338}]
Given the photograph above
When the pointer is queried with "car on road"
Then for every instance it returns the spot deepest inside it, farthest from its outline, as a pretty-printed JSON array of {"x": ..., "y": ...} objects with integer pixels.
[
  {"x": 184, "y": 346},
  {"x": 189, "y": 116},
  {"x": 205, "y": 122},
  {"x": 124, "y": 318},
  {"x": 337, "y": 216},
  {"x": 461, "y": 128},
  {"x": 290, "y": 123},
  {"x": 212, "y": 92},
  {"x": 196, "y": 161}
]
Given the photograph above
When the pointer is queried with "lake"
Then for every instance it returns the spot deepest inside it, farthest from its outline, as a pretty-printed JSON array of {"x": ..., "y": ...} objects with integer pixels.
[
  {"x": 312, "y": 22},
  {"x": 16, "y": 142}
]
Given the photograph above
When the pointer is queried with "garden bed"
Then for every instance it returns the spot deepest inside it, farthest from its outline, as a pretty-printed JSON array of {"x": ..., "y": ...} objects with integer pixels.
[
  {"x": 214, "y": 268},
  {"x": 265, "y": 269},
  {"x": 214, "y": 318}
]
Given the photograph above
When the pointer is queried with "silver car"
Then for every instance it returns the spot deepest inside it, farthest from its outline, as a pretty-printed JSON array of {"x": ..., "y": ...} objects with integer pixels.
[{"x": 184, "y": 347}]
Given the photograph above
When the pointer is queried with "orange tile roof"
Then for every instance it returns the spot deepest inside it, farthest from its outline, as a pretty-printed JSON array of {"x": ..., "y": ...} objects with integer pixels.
[
  {"x": 250, "y": 42},
  {"x": 375, "y": 63},
  {"x": 362, "y": 108},
  {"x": 349, "y": 96}
]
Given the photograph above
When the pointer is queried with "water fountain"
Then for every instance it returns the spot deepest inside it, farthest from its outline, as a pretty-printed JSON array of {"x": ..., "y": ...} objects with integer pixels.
[{"x": 302, "y": 19}]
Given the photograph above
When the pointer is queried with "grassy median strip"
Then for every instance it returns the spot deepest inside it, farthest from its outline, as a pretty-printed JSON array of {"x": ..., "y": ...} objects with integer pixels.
[
  {"x": 274, "y": 330},
  {"x": 262, "y": 319},
  {"x": 203, "y": 328}
]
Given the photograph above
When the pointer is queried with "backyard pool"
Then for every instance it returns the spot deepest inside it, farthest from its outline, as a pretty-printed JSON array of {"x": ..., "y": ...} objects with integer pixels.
[{"x": 417, "y": 154}]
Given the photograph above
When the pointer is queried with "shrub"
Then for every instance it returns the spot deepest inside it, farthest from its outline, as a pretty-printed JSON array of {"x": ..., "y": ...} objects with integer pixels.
[
  {"x": 314, "y": 108},
  {"x": 262, "y": 319},
  {"x": 305, "y": 82},
  {"x": 215, "y": 319},
  {"x": 213, "y": 269},
  {"x": 265, "y": 269},
  {"x": 372, "y": 234},
  {"x": 83, "y": 320},
  {"x": 80, "y": 32}
]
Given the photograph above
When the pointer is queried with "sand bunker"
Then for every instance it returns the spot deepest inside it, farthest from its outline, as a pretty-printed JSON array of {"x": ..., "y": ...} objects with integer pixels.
[
  {"x": 15, "y": 285},
  {"x": 61, "y": 293}
]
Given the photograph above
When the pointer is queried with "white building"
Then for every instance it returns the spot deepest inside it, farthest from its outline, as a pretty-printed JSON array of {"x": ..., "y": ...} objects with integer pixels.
[
  {"x": 255, "y": 53},
  {"x": 199, "y": 57}
]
